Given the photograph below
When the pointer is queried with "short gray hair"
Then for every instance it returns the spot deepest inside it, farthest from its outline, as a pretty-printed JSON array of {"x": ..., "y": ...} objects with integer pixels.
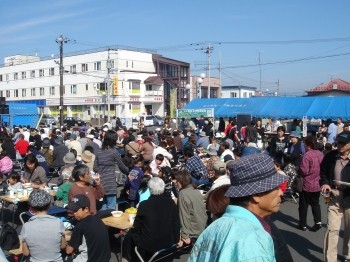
[{"x": 156, "y": 185}]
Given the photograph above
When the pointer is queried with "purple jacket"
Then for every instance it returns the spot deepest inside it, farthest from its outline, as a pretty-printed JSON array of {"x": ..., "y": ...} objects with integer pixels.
[{"x": 310, "y": 170}]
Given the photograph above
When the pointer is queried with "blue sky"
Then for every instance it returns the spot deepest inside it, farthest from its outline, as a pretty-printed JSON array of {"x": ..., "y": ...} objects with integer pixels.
[{"x": 180, "y": 29}]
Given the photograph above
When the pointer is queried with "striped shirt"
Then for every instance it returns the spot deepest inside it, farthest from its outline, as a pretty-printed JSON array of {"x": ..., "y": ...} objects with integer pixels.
[{"x": 104, "y": 164}]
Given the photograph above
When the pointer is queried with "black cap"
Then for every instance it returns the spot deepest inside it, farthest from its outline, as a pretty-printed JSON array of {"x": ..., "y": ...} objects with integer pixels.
[{"x": 77, "y": 202}]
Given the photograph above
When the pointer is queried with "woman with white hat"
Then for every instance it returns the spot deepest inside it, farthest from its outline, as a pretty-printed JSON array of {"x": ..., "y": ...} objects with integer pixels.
[{"x": 88, "y": 158}]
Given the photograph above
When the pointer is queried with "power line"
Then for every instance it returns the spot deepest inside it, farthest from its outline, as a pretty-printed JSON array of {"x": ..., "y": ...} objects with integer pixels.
[
  {"x": 288, "y": 61},
  {"x": 263, "y": 42}
]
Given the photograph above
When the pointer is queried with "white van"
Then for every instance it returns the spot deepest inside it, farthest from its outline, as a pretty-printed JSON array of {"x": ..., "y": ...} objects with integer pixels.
[{"x": 150, "y": 120}]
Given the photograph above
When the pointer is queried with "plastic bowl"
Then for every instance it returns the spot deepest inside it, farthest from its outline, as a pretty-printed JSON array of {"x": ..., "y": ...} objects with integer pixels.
[{"x": 117, "y": 213}]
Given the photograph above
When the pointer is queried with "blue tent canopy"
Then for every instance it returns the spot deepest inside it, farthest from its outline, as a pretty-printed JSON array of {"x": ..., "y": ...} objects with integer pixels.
[
  {"x": 21, "y": 114},
  {"x": 285, "y": 107},
  {"x": 277, "y": 107},
  {"x": 240, "y": 106}
]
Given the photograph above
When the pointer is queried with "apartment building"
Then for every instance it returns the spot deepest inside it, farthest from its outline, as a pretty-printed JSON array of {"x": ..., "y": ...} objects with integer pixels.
[{"x": 137, "y": 82}]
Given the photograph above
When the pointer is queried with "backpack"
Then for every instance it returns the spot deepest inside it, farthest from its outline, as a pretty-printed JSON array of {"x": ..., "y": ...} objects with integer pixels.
[{"x": 8, "y": 237}]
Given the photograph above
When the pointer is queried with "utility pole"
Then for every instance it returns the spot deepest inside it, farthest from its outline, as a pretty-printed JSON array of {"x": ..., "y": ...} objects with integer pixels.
[
  {"x": 208, "y": 51},
  {"x": 220, "y": 89},
  {"x": 278, "y": 87},
  {"x": 109, "y": 67},
  {"x": 259, "y": 69},
  {"x": 61, "y": 40}
]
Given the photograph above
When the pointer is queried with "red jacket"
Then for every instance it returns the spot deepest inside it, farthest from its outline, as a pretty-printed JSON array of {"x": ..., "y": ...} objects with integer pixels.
[{"x": 22, "y": 147}]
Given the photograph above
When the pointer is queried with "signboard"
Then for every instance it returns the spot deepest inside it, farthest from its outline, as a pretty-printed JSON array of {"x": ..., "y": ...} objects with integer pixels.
[
  {"x": 304, "y": 126},
  {"x": 189, "y": 113},
  {"x": 172, "y": 102},
  {"x": 115, "y": 87}
]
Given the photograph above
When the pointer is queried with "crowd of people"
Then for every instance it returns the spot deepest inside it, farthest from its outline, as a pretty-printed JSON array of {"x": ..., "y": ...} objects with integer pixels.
[{"x": 211, "y": 189}]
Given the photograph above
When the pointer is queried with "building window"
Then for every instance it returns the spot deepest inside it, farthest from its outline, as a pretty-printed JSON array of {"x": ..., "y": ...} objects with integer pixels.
[
  {"x": 233, "y": 94},
  {"x": 7, "y": 93},
  {"x": 111, "y": 64},
  {"x": 135, "y": 87},
  {"x": 102, "y": 86},
  {"x": 127, "y": 63},
  {"x": 148, "y": 87},
  {"x": 87, "y": 87},
  {"x": 42, "y": 91},
  {"x": 32, "y": 73},
  {"x": 7, "y": 77},
  {"x": 245, "y": 94},
  {"x": 41, "y": 72},
  {"x": 32, "y": 92},
  {"x": 24, "y": 92},
  {"x": 52, "y": 90},
  {"x": 15, "y": 93},
  {"x": 0, "y": 78},
  {"x": 84, "y": 67},
  {"x": 73, "y": 69},
  {"x": 24, "y": 75},
  {"x": 1, "y": 93},
  {"x": 15, "y": 76},
  {"x": 73, "y": 89},
  {"x": 97, "y": 66},
  {"x": 52, "y": 71},
  {"x": 250, "y": 94}
]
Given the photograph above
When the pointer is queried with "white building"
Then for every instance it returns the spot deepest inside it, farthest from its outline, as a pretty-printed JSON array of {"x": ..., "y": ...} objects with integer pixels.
[
  {"x": 140, "y": 82},
  {"x": 237, "y": 91}
]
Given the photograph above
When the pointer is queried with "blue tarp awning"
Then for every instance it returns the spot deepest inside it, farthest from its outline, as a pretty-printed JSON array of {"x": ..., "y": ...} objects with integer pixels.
[
  {"x": 21, "y": 114},
  {"x": 277, "y": 107}
]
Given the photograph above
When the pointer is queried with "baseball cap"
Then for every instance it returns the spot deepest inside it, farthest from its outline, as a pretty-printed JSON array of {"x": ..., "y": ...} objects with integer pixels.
[
  {"x": 228, "y": 158},
  {"x": 212, "y": 151},
  {"x": 59, "y": 140},
  {"x": 252, "y": 175},
  {"x": 343, "y": 137},
  {"x": 77, "y": 202},
  {"x": 219, "y": 166},
  {"x": 294, "y": 134}
]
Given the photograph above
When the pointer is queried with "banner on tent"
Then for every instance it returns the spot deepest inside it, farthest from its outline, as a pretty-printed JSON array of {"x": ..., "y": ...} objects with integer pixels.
[{"x": 189, "y": 113}]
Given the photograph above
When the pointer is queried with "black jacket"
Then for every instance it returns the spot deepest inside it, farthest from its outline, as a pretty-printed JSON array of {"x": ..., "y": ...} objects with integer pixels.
[
  {"x": 157, "y": 224},
  {"x": 327, "y": 174}
]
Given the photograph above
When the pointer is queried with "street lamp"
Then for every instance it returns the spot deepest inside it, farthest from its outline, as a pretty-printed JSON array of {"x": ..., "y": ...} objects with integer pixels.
[
  {"x": 60, "y": 40},
  {"x": 199, "y": 82}
]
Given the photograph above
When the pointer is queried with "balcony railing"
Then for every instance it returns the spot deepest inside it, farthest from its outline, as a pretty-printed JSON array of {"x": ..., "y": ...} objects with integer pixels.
[{"x": 153, "y": 93}]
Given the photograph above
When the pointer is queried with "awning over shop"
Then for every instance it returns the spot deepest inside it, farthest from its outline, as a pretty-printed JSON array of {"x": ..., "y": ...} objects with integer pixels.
[{"x": 153, "y": 80}]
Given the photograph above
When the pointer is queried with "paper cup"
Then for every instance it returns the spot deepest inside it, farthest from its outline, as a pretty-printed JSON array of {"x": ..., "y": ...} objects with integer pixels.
[
  {"x": 12, "y": 194},
  {"x": 19, "y": 192},
  {"x": 132, "y": 218},
  {"x": 30, "y": 190}
]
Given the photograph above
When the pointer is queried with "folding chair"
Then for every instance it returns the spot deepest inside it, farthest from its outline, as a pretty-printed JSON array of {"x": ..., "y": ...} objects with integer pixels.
[
  {"x": 164, "y": 250},
  {"x": 53, "y": 211},
  {"x": 53, "y": 172}
]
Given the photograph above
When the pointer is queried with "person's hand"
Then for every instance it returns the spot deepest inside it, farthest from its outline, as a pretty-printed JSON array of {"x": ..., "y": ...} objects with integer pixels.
[
  {"x": 187, "y": 241},
  {"x": 180, "y": 244},
  {"x": 325, "y": 188}
]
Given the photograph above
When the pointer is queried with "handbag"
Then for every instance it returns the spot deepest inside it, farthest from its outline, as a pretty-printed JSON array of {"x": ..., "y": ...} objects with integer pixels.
[{"x": 298, "y": 183}]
